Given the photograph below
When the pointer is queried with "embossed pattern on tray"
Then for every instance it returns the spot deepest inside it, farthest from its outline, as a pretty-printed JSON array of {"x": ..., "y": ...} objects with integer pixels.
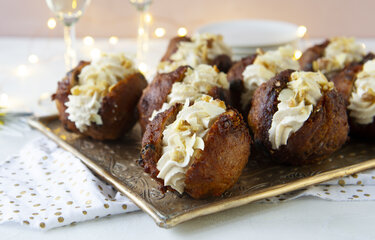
[{"x": 260, "y": 179}]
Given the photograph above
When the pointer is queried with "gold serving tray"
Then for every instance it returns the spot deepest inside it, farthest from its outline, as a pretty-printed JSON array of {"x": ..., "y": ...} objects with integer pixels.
[{"x": 116, "y": 163}]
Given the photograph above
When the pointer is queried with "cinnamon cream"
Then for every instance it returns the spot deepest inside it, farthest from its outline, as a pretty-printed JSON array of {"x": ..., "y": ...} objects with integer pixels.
[
  {"x": 339, "y": 52},
  {"x": 185, "y": 136},
  {"x": 296, "y": 103},
  {"x": 197, "y": 82},
  {"x": 266, "y": 66},
  {"x": 362, "y": 100},
  {"x": 202, "y": 49},
  {"x": 94, "y": 82}
]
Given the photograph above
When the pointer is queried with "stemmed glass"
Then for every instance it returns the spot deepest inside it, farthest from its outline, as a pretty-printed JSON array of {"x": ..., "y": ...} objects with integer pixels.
[
  {"x": 68, "y": 12},
  {"x": 144, "y": 20}
]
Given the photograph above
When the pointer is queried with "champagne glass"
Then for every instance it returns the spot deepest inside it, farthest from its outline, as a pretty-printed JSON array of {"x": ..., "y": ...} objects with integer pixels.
[
  {"x": 68, "y": 12},
  {"x": 144, "y": 20}
]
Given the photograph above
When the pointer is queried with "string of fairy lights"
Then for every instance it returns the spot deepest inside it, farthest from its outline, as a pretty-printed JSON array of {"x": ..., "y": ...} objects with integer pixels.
[
  {"x": 24, "y": 70},
  {"x": 159, "y": 32}
]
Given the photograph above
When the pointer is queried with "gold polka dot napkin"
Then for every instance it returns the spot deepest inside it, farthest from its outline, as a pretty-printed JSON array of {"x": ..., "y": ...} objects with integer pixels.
[
  {"x": 45, "y": 187},
  {"x": 356, "y": 187}
]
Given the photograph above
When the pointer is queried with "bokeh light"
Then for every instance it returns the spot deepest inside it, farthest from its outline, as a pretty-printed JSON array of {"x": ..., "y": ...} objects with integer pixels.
[
  {"x": 113, "y": 40},
  {"x": 33, "y": 58},
  {"x": 301, "y": 31},
  {"x": 88, "y": 40},
  {"x": 160, "y": 32},
  {"x": 51, "y": 23},
  {"x": 182, "y": 32}
]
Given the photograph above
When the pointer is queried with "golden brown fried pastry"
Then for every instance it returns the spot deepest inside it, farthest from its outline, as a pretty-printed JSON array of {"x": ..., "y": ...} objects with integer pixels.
[
  {"x": 332, "y": 55},
  {"x": 199, "y": 49},
  {"x": 92, "y": 105},
  {"x": 236, "y": 79},
  {"x": 175, "y": 87},
  {"x": 200, "y": 149},
  {"x": 356, "y": 85},
  {"x": 345, "y": 79},
  {"x": 173, "y": 47},
  {"x": 248, "y": 74},
  {"x": 298, "y": 117},
  {"x": 312, "y": 54}
]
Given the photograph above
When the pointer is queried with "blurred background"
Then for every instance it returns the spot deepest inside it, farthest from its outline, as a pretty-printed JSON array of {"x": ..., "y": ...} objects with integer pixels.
[{"x": 105, "y": 18}]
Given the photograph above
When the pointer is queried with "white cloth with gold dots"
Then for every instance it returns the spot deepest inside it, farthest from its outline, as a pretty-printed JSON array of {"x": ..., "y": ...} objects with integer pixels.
[
  {"x": 45, "y": 187},
  {"x": 356, "y": 187}
]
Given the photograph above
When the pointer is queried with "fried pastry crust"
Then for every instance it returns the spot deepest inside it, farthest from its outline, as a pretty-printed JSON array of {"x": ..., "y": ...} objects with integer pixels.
[
  {"x": 222, "y": 62},
  {"x": 345, "y": 79},
  {"x": 173, "y": 46},
  {"x": 157, "y": 92},
  {"x": 344, "y": 82},
  {"x": 312, "y": 54},
  {"x": 235, "y": 79},
  {"x": 213, "y": 170},
  {"x": 218, "y": 167},
  {"x": 152, "y": 139},
  {"x": 324, "y": 132},
  {"x": 118, "y": 110}
]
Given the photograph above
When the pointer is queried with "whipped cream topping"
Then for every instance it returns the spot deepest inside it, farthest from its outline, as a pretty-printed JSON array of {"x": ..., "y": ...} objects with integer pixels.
[
  {"x": 339, "y": 52},
  {"x": 197, "y": 82},
  {"x": 266, "y": 66},
  {"x": 362, "y": 100},
  {"x": 94, "y": 82},
  {"x": 84, "y": 110},
  {"x": 296, "y": 102},
  {"x": 202, "y": 49},
  {"x": 183, "y": 137}
]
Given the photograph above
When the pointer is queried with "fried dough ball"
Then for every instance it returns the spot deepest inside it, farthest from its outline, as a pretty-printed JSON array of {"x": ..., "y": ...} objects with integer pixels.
[
  {"x": 345, "y": 79},
  {"x": 312, "y": 54},
  {"x": 236, "y": 79},
  {"x": 250, "y": 72},
  {"x": 204, "y": 49},
  {"x": 359, "y": 106},
  {"x": 173, "y": 46},
  {"x": 116, "y": 112},
  {"x": 331, "y": 56},
  {"x": 158, "y": 92},
  {"x": 219, "y": 154},
  {"x": 296, "y": 124}
]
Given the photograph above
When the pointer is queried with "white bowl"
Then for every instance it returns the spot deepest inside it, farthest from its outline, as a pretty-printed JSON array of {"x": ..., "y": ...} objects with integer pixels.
[{"x": 253, "y": 33}]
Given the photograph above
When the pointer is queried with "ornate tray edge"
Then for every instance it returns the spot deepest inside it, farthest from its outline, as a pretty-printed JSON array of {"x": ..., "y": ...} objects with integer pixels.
[{"x": 164, "y": 222}]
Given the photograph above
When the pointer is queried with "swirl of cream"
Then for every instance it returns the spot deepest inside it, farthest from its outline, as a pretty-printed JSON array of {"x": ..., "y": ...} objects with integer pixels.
[
  {"x": 266, "y": 66},
  {"x": 278, "y": 60},
  {"x": 253, "y": 76},
  {"x": 83, "y": 110},
  {"x": 200, "y": 50},
  {"x": 339, "y": 52},
  {"x": 296, "y": 102},
  {"x": 94, "y": 82},
  {"x": 196, "y": 82},
  {"x": 362, "y": 100},
  {"x": 183, "y": 137}
]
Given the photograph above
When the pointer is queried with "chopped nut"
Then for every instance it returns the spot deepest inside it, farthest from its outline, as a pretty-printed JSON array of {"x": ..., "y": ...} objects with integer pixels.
[
  {"x": 206, "y": 98},
  {"x": 177, "y": 156},
  {"x": 183, "y": 125},
  {"x": 292, "y": 103},
  {"x": 369, "y": 96},
  {"x": 216, "y": 69}
]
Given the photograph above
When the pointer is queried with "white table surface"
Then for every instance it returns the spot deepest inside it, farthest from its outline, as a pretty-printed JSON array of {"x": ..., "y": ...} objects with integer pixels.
[{"x": 305, "y": 218}]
